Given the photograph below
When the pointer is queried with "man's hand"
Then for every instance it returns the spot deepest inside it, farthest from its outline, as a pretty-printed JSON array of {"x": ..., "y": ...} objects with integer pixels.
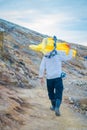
[{"x": 42, "y": 80}]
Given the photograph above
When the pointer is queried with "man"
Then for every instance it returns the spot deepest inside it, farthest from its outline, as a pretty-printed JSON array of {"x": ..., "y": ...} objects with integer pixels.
[{"x": 51, "y": 65}]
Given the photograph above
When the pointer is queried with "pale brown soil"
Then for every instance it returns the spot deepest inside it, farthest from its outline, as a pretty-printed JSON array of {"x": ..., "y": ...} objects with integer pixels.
[{"x": 40, "y": 117}]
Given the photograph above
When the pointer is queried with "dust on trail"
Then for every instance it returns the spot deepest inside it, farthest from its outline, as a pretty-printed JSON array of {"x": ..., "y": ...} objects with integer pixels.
[{"x": 40, "y": 117}]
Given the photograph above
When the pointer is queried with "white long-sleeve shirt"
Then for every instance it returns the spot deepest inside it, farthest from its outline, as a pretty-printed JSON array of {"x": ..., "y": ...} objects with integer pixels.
[{"x": 53, "y": 66}]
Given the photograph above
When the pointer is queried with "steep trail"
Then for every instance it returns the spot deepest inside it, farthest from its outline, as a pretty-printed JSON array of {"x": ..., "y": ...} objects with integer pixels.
[{"x": 40, "y": 117}]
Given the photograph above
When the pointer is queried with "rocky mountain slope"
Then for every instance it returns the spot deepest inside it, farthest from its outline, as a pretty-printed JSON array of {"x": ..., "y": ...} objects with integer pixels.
[{"x": 19, "y": 71}]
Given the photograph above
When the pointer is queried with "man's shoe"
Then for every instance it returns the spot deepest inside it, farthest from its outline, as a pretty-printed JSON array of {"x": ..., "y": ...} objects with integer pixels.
[
  {"x": 57, "y": 112},
  {"x": 52, "y": 105}
]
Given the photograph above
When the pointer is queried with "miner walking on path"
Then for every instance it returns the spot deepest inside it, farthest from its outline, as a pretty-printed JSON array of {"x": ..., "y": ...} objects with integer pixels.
[{"x": 51, "y": 66}]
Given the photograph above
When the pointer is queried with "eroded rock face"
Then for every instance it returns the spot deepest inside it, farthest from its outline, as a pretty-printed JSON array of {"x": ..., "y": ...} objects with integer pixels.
[
  {"x": 12, "y": 109},
  {"x": 17, "y": 69}
]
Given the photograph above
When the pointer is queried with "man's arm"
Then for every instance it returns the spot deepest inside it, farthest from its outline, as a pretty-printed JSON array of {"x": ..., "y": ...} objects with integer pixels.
[
  {"x": 65, "y": 57},
  {"x": 42, "y": 68}
]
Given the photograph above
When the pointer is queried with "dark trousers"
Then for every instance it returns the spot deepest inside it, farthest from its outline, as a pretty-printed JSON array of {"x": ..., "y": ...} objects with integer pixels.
[{"x": 55, "y": 88}]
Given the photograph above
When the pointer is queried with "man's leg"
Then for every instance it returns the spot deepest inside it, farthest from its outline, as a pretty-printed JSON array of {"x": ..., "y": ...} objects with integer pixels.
[
  {"x": 58, "y": 94},
  {"x": 51, "y": 95}
]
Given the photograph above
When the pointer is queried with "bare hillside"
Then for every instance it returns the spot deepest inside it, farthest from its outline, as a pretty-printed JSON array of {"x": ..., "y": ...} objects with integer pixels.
[{"x": 23, "y": 101}]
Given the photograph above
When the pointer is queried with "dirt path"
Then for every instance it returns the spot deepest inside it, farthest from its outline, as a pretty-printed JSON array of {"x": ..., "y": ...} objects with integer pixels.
[{"x": 39, "y": 117}]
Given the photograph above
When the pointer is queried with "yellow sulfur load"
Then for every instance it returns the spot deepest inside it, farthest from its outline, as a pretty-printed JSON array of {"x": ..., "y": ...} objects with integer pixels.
[{"x": 47, "y": 45}]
